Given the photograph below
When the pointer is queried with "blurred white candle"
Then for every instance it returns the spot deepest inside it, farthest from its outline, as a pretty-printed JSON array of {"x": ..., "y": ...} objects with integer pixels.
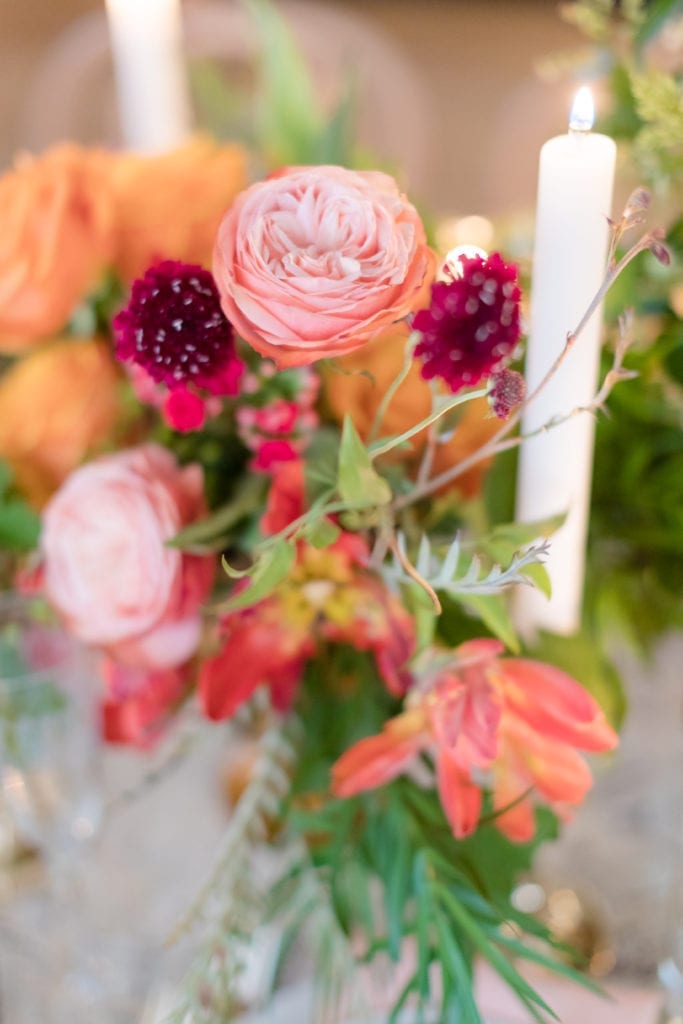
[
  {"x": 151, "y": 81},
  {"x": 576, "y": 175}
]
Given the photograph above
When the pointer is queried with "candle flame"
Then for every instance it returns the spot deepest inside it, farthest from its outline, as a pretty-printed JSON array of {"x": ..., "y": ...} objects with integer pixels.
[{"x": 582, "y": 114}]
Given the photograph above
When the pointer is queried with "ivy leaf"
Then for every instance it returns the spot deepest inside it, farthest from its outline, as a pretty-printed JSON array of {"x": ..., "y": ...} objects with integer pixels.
[
  {"x": 272, "y": 566},
  {"x": 358, "y": 482}
]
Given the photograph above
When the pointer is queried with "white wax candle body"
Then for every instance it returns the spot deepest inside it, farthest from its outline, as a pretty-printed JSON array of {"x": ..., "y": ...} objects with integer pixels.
[
  {"x": 146, "y": 40},
  {"x": 576, "y": 175}
]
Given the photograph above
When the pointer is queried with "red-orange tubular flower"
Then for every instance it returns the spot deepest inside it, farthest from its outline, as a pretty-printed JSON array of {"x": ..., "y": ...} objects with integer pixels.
[{"x": 510, "y": 724}]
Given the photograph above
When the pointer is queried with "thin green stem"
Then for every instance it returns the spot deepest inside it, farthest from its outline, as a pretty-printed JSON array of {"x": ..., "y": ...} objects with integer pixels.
[
  {"x": 493, "y": 446},
  {"x": 412, "y": 341},
  {"x": 387, "y": 444}
]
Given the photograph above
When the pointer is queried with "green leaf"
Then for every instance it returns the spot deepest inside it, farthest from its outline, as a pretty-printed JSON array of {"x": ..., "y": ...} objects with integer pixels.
[
  {"x": 359, "y": 484},
  {"x": 19, "y": 526},
  {"x": 534, "y": 955},
  {"x": 211, "y": 532},
  {"x": 490, "y": 952},
  {"x": 5, "y": 478},
  {"x": 396, "y": 887},
  {"x": 289, "y": 122},
  {"x": 492, "y": 610},
  {"x": 457, "y": 966},
  {"x": 658, "y": 13},
  {"x": 274, "y": 565},
  {"x": 335, "y": 143},
  {"x": 538, "y": 574},
  {"x": 422, "y": 923},
  {"x": 505, "y": 540},
  {"x": 322, "y": 533}
]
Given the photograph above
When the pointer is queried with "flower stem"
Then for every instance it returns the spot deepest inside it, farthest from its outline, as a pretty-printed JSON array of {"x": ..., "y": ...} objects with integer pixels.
[
  {"x": 388, "y": 443},
  {"x": 498, "y": 443},
  {"x": 412, "y": 341}
]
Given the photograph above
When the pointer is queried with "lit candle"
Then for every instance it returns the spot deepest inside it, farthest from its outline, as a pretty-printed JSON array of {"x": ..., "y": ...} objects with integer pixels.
[
  {"x": 146, "y": 40},
  {"x": 576, "y": 175}
]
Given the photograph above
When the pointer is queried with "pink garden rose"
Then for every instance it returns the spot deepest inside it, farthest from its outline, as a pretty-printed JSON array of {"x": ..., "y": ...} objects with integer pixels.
[
  {"x": 314, "y": 261},
  {"x": 107, "y": 568}
]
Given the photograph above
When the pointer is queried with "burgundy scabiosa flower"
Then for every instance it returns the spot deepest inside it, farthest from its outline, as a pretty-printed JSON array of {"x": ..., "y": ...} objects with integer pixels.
[
  {"x": 508, "y": 391},
  {"x": 174, "y": 330},
  {"x": 472, "y": 324}
]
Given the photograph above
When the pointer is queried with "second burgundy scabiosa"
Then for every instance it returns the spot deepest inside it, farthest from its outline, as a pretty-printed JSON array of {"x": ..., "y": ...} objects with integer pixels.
[
  {"x": 174, "y": 330},
  {"x": 472, "y": 324}
]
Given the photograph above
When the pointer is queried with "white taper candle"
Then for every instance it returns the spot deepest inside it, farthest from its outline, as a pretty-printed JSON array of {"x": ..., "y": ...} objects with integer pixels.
[
  {"x": 576, "y": 175},
  {"x": 151, "y": 81}
]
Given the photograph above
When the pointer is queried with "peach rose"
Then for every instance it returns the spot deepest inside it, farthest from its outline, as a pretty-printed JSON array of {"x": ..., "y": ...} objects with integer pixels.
[
  {"x": 106, "y": 565},
  {"x": 72, "y": 391},
  {"x": 354, "y": 393},
  {"x": 315, "y": 261},
  {"x": 56, "y": 238},
  {"x": 169, "y": 206}
]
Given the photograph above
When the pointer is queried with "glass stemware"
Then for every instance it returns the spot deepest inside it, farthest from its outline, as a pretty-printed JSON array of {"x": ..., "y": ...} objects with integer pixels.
[{"x": 51, "y": 785}]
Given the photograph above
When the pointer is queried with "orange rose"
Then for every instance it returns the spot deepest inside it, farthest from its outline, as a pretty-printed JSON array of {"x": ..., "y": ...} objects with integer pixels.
[
  {"x": 55, "y": 405},
  {"x": 170, "y": 206},
  {"x": 356, "y": 395},
  {"x": 56, "y": 238}
]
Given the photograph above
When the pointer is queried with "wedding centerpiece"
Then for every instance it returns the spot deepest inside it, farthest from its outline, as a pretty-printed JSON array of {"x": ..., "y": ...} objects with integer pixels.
[{"x": 260, "y": 416}]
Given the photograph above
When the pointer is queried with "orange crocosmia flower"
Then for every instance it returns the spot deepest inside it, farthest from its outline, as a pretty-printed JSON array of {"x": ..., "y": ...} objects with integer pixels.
[
  {"x": 72, "y": 391},
  {"x": 353, "y": 393},
  {"x": 328, "y": 597},
  {"x": 57, "y": 238},
  {"x": 169, "y": 206},
  {"x": 474, "y": 713}
]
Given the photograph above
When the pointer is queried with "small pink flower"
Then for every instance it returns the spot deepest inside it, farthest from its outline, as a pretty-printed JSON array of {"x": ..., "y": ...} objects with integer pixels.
[
  {"x": 107, "y": 567},
  {"x": 277, "y": 432},
  {"x": 314, "y": 261},
  {"x": 472, "y": 324}
]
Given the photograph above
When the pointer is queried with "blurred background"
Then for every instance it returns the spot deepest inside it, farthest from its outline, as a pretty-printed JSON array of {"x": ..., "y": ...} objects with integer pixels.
[{"x": 450, "y": 90}]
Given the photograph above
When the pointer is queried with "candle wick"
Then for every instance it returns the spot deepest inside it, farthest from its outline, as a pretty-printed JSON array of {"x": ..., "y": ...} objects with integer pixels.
[{"x": 579, "y": 127}]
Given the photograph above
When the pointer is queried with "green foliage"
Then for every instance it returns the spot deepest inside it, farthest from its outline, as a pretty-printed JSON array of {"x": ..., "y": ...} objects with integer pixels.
[
  {"x": 359, "y": 484},
  {"x": 635, "y": 564},
  {"x": 19, "y": 524},
  {"x": 391, "y": 867},
  {"x": 272, "y": 567}
]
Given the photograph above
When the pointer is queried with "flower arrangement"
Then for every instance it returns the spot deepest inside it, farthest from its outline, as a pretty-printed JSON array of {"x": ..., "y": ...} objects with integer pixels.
[{"x": 250, "y": 515}]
